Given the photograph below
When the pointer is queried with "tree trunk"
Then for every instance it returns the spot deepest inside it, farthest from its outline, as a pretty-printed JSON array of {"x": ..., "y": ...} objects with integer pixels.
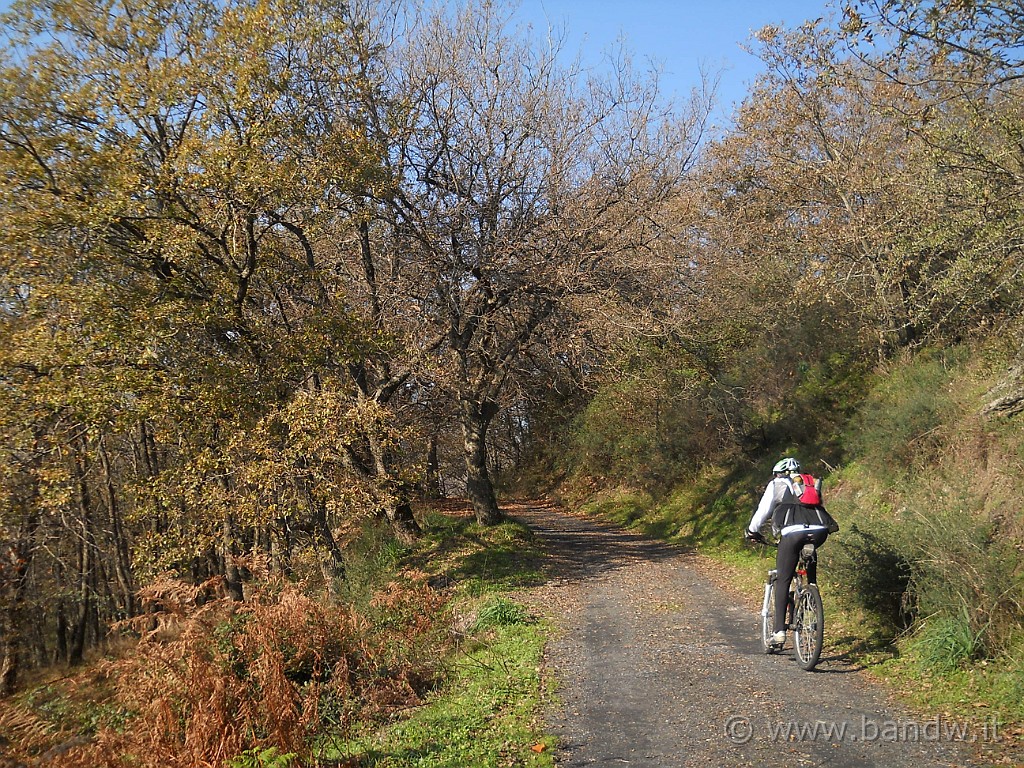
[
  {"x": 281, "y": 546},
  {"x": 323, "y": 535},
  {"x": 76, "y": 650},
  {"x": 15, "y": 572},
  {"x": 432, "y": 482},
  {"x": 61, "y": 653},
  {"x": 393, "y": 494},
  {"x": 232, "y": 576},
  {"x": 122, "y": 556},
  {"x": 1007, "y": 397},
  {"x": 402, "y": 522},
  {"x": 9, "y": 661},
  {"x": 76, "y": 646},
  {"x": 476, "y": 417},
  {"x": 326, "y": 537}
]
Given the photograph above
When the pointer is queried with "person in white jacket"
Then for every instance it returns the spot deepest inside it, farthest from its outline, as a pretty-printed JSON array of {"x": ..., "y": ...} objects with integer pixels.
[{"x": 782, "y": 490}]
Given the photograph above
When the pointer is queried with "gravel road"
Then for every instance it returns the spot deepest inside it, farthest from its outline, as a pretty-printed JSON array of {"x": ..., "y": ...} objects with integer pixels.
[{"x": 656, "y": 666}]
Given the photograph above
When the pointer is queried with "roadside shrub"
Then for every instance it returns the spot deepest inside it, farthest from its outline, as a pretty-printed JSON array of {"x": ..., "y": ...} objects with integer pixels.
[
  {"x": 412, "y": 632},
  {"x": 940, "y": 567},
  {"x": 899, "y": 425},
  {"x": 945, "y": 641},
  {"x": 870, "y": 563},
  {"x": 827, "y": 393},
  {"x": 965, "y": 571}
]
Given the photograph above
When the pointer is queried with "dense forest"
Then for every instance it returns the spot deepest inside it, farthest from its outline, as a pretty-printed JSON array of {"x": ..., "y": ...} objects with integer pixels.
[{"x": 273, "y": 268}]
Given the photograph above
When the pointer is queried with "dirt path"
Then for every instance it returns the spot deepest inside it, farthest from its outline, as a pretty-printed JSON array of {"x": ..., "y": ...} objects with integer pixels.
[{"x": 658, "y": 667}]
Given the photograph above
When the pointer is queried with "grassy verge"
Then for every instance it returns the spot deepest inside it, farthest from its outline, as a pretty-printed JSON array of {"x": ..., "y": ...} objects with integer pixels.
[
  {"x": 485, "y": 712},
  {"x": 484, "y": 715}
]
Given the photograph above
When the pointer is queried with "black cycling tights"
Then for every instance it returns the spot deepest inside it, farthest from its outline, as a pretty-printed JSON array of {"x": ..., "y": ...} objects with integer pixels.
[{"x": 785, "y": 567}]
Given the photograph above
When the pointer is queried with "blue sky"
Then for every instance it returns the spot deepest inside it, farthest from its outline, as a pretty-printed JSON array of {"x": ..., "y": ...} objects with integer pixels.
[{"x": 681, "y": 35}]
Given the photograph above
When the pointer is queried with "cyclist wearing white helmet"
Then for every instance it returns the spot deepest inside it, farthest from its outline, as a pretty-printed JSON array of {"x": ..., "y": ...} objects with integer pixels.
[{"x": 782, "y": 491}]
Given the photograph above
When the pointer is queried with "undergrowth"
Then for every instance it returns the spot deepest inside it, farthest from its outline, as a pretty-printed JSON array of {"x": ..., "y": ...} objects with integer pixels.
[
  {"x": 212, "y": 681},
  {"x": 485, "y": 714}
]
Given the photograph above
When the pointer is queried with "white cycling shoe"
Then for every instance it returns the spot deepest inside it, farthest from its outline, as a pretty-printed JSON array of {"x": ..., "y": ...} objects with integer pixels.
[{"x": 779, "y": 638}]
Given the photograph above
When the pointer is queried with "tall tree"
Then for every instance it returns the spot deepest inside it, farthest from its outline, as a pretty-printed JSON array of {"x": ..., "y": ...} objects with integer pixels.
[
  {"x": 525, "y": 192},
  {"x": 982, "y": 37},
  {"x": 964, "y": 62}
]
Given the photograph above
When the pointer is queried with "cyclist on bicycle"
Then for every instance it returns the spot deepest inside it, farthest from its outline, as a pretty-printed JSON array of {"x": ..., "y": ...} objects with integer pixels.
[{"x": 781, "y": 496}]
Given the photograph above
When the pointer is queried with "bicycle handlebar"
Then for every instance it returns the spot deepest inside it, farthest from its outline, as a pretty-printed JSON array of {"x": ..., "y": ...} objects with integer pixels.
[{"x": 759, "y": 538}]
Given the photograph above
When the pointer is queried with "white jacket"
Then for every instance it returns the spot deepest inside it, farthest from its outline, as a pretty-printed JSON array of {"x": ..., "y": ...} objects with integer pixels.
[{"x": 775, "y": 493}]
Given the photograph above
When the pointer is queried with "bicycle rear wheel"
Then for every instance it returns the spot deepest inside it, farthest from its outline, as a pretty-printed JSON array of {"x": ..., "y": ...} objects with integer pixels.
[{"x": 810, "y": 627}]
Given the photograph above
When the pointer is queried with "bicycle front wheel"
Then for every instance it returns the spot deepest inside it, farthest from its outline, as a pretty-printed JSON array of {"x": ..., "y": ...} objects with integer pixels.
[
  {"x": 810, "y": 627},
  {"x": 768, "y": 620}
]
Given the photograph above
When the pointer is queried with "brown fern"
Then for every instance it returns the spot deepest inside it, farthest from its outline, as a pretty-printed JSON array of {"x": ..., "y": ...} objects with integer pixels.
[
  {"x": 210, "y": 678},
  {"x": 25, "y": 732}
]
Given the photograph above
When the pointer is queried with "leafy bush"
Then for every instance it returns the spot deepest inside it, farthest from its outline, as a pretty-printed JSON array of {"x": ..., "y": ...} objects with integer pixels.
[
  {"x": 653, "y": 426},
  {"x": 964, "y": 571},
  {"x": 946, "y": 567},
  {"x": 870, "y": 564}
]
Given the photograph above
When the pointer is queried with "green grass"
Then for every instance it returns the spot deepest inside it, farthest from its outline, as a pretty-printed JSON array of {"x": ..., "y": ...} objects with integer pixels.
[
  {"x": 476, "y": 559},
  {"x": 500, "y": 612},
  {"x": 706, "y": 514},
  {"x": 263, "y": 758},
  {"x": 986, "y": 690},
  {"x": 485, "y": 716}
]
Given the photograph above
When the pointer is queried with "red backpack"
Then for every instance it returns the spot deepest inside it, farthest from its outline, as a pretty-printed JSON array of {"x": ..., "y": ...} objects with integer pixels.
[{"x": 811, "y": 495}]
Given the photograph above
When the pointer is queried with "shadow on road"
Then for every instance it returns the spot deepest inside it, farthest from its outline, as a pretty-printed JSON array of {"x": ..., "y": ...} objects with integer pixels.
[{"x": 582, "y": 548}]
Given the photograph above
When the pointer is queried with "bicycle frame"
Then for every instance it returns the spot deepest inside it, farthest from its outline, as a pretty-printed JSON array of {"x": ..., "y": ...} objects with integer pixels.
[{"x": 804, "y": 612}]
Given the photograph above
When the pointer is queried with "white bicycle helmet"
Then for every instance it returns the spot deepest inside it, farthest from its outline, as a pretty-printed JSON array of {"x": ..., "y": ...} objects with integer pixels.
[{"x": 787, "y": 465}]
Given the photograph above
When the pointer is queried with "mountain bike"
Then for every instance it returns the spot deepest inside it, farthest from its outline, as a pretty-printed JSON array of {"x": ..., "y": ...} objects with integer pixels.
[{"x": 805, "y": 613}]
